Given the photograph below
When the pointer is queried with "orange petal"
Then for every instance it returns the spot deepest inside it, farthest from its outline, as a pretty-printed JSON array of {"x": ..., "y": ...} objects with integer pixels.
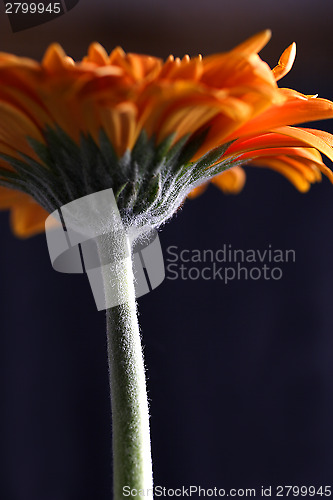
[
  {"x": 231, "y": 181},
  {"x": 325, "y": 136},
  {"x": 310, "y": 138},
  {"x": 9, "y": 197},
  {"x": 117, "y": 55},
  {"x": 15, "y": 127},
  {"x": 97, "y": 54},
  {"x": 198, "y": 190},
  {"x": 255, "y": 43},
  {"x": 185, "y": 120},
  {"x": 282, "y": 137},
  {"x": 295, "y": 176},
  {"x": 305, "y": 153},
  {"x": 187, "y": 69},
  {"x": 286, "y": 62},
  {"x": 297, "y": 109},
  {"x": 120, "y": 125},
  {"x": 28, "y": 219},
  {"x": 55, "y": 59},
  {"x": 142, "y": 66},
  {"x": 236, "y": 69},
  {"x": 285, "y": 137},
  {"x": 135, "y": 65}
]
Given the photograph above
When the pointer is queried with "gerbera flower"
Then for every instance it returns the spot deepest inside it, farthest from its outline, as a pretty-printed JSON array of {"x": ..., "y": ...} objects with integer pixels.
[{"x": 155, "y": 132}]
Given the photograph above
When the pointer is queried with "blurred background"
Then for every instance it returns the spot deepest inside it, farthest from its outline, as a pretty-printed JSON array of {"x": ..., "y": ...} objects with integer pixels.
[{"x": 240, "y": 376}]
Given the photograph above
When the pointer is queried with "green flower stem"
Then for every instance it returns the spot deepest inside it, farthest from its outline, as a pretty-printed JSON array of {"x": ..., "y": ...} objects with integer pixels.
[{"x": 132, "y": 465}]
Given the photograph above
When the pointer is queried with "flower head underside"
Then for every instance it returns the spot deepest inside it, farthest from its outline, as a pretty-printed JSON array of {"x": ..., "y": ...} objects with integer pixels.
[{"x": 155, "y": 132}]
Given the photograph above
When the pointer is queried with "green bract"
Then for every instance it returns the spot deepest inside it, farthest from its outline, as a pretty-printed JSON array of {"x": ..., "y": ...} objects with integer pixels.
[{"x": 150, "y": 182}]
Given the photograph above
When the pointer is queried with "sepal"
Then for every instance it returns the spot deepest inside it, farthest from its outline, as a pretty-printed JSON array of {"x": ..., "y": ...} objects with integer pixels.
[{"x": 150, "y": 182}]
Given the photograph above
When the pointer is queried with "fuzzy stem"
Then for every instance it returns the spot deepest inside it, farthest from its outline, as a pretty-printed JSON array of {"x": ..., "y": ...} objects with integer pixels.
[{"x": 132, "y": 465}]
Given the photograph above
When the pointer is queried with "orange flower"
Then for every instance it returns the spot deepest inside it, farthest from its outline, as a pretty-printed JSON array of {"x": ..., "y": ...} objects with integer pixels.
[{"x": 229, "y": 99}]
